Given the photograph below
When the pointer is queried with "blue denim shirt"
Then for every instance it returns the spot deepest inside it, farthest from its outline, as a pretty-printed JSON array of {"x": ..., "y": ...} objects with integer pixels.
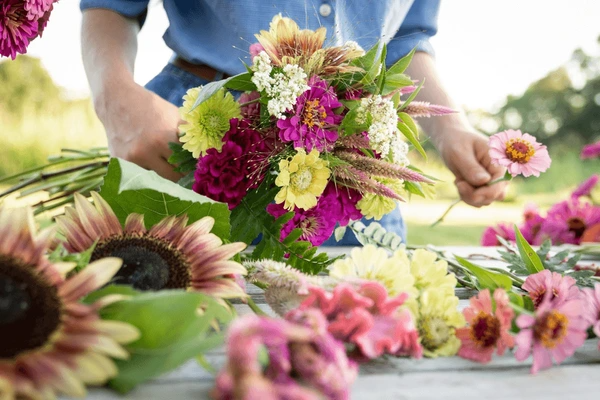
[{"x": 218, "y": 32}]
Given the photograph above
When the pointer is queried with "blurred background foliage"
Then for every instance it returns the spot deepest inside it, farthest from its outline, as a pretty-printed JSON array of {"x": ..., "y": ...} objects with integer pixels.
[{"x": 562, "y": 109}]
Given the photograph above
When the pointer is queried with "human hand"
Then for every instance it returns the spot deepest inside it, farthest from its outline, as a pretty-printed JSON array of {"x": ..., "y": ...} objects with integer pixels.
[
  {"x": 465, "y": 153},
  {"x": 139, "y": 126}
]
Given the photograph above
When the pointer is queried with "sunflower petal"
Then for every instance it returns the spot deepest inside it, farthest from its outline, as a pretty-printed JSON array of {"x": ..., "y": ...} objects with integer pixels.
[
  {"x": 113, "y": 226},
  {"x": 76, "y": 238},
  {"x": 91, "y": 278},
  {"x": 121, "y": 332},
  {"x": 89, "y": 217},
  {"x": 94, "y": 368},
  {"x": 218, "y": 268},
  {"x": 134, "y": 224},
  {"x": 220, "y": 253}
]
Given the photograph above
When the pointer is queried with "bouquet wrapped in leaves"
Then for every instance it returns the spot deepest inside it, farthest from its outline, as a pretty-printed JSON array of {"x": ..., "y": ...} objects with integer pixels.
[{"x": 319, "y": 136}]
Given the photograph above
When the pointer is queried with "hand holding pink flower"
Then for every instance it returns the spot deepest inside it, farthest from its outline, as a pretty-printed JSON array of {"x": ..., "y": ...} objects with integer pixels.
[{"x": 519, "y": 152}]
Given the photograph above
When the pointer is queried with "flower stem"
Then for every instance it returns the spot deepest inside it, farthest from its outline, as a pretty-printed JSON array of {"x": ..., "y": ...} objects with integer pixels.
[
  {"x": 519, "y": 309},
  {"x": 257, "y": 310},
  {"x": 250, "y": 102},
  {"x": 507, "y": 177},
  {"x": 441, "y": 219}
]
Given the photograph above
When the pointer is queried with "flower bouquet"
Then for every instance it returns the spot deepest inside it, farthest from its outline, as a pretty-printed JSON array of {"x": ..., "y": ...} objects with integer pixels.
[{"x": 319, "y": 136}]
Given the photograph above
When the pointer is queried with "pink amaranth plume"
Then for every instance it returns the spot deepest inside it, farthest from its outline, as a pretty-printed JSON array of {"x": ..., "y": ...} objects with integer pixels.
[
  {"x": 378, "y": 167},
  {"x": 422, "y": 109}
]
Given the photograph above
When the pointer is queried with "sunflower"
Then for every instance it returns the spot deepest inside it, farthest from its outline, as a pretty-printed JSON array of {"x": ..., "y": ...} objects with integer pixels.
[
  {"x": 51, "y": 343},
  {"x": 170, "y": 255},
  {"x": 285, "y": 43}
]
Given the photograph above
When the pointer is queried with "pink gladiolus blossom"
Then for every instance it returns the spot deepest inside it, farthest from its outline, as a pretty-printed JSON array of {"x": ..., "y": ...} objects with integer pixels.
[
  {"x": 489, "y": 237},
  {"x": 592, "y": 300},
  {"x": 489, "y": 327},
  {"x": 519, "y": 152},
  {"x": 368, "y": 319},
  {"x": 590, "y": 151},
  {"x": 305, "y": 361},
  {"x": 556, "y": 331},
  {"x": 545, "y": 283},
  {"x": 586, "y": 187},
  {"x": 16, "y": 30},
  {"x": 567, "y": 221},
  {"x": 313, "y": 124}
]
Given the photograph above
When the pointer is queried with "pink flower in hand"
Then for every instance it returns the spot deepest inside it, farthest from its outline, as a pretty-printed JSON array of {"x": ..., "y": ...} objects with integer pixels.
[
  {"x": 519, "y": 152},
  {"x": 489, "y": 328}
]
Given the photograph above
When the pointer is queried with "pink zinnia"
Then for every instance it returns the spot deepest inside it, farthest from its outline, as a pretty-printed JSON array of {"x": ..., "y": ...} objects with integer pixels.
[
  {"x": 556, "y": 331},
  {"x": 367, "y": 318},
  {"x": 489, "y": 328},
  {"x": 227, "y": 175},
  {"x": 314, "y": 123},
  {"x": 545, "y": 283},
  {"x": 586, "y": 187},
  {"x": 519, "y": 152},
  {"x": 337, "y": 205},
  {"x": 489, "y": 236},
  {"x": 16, "y": 30},
  {"x": 591, "y": 151},
  {"x": 567, "y": 221},
  {"x": 37, "y": 8},
  {"x": 592, "y": 300}
]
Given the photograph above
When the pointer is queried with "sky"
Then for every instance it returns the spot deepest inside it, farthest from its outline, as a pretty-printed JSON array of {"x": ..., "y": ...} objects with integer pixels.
[{"x": 485, "y": 50}]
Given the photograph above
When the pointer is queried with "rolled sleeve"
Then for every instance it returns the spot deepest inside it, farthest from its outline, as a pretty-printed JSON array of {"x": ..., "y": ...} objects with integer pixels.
[
  {"x": 419, "y": 25},
  {"x": 136, "y": 9}
]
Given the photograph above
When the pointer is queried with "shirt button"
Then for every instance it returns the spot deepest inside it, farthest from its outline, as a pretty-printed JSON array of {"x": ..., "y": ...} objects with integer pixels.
[{"x": 325, "y": 10}]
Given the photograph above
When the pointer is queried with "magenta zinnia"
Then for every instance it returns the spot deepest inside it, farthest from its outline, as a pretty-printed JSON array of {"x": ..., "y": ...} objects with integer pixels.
[
  {"x": 170, "y": 255},
  {"x": 314, "y": 122},
  {"x": 489, "y": 326},
  {"x": 16, "y": 30},
  {"x": 555, "y": 332},
  {"x": 37, "y": 8},
  {"x": 51, "y": 342},
  {"x": 489, "y": 237},
  {"x": 567, "y": 221},
  {"x": 519, "y": 152}
]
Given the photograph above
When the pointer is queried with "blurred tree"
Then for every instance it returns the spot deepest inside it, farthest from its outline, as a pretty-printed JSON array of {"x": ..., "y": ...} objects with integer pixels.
[
  {"x": 26, "y": 86},
  {"x": 563, "y": 108}
]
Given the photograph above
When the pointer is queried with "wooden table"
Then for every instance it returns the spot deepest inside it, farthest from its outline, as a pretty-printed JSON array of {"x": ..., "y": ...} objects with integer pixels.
[{"x": 403, "y": 379}]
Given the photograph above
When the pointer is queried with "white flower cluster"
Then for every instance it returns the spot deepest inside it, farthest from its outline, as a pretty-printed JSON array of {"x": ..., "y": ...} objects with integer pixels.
[
  {"x": 283, "y": 88},
  {"x": 383, "y": 131}
]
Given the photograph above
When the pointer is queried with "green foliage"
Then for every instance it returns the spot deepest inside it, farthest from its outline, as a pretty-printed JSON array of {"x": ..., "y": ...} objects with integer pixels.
[
  {"x": 532, "y": 261},
  {"x": 374, "y": 234},
  {"x": 126, "y": 189},
  {"x": 486, "y": 279},
  {"x": 238, "y": 82},
  {"x": 172, "y": 331},
  {"x": 409, "y": 129},
  {"x": 81, "y": 260},
  {"x": 300, "y": 254},
  {"x": 181, "y": 158}
]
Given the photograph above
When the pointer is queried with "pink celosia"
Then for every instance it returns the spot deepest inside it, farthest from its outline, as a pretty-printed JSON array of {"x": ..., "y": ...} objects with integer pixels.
[
  {"x": 249, "y": 106},
  {"x": 519, "y": 152},
  {"x": 545, "y": 283},
  {"x": 16, "y": 30},
  {"x": 532, "y": 224},
  {"x": 335, "y": 205},
  {"x": 489, "y": 326},
  {"x": 367, "y": 318},
  {"x": 586, "y": 186},
  {"x": 489, "y": 237},
  {"x": 292, "y": 347},
  {"x": 592, "y": 314},
  {"x": 422, "y": 109},
  {"x": 591, "y": 151},
  {"x": 37, "y": 8},
  {"x": 567, "y": 220},
  {"x": 227, "y": 175},
  {"x": 314, "y": 123},
  {"x": 554, "y": 332}
]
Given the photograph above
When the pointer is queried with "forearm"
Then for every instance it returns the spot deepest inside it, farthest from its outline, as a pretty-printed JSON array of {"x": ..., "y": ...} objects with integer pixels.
[
  {"x": 109, "y": 47},
  {"x": 423, "y": 67}
]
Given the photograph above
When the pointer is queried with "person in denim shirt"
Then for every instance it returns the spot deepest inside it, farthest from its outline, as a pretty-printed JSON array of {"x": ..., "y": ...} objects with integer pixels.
[{"x": 210, "y": 37}]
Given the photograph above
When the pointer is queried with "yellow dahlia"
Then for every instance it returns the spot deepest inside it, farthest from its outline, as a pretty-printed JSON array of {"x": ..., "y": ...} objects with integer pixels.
[
  {"x": 431, "y": 273},
  {"x": 376, "y": 205},
  {"x": 302, "y": 178},
  {"x": 207, "y": 123},
  {"x": 286, "y": 43},
  {"x": 170, "y": 255},
  {"x": 437, "y": 323},
  {"x": 51, "y": 342}
]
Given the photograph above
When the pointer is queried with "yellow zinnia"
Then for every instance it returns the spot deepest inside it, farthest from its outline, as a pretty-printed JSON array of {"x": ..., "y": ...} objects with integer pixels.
[
  {"x": 207, "y": 123},
  {"x": 437, "y": 323},
  {"x": 375, "y": 205},
  {"x": 302, "y": 178},
  {"x": 431, "y": 273}
]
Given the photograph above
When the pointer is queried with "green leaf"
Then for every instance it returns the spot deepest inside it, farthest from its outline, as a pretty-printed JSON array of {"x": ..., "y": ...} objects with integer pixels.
[
  {"x": 370, "y": 63},
  {"x": 349, "y": 126},
  {"x": 529, "y": 256},
  {"x": 124, "y": 290},
  {"x": 405, "y": 126},
  {"x": 414, "y": 188},
  {"x": 129, "y": 188},
  {"x": 486, "y": 279},
  {"x": 381, "y": 78},
  {"x": 241, "y": 82},
  {"x": 182, "y": 159},
  {"x": 394, "y": 82},
  {"x": 60, "y": 254},
  {"x": 412, "y": 95},
  {"x": 516, "y": 299},
  {"x": 400, "y": 66},
  {"x": 172, "y": 332},
  {"x": 187, "y": 181},
  {"x": 213, "y": 87},
  {"x": 339, "y": 233}
]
